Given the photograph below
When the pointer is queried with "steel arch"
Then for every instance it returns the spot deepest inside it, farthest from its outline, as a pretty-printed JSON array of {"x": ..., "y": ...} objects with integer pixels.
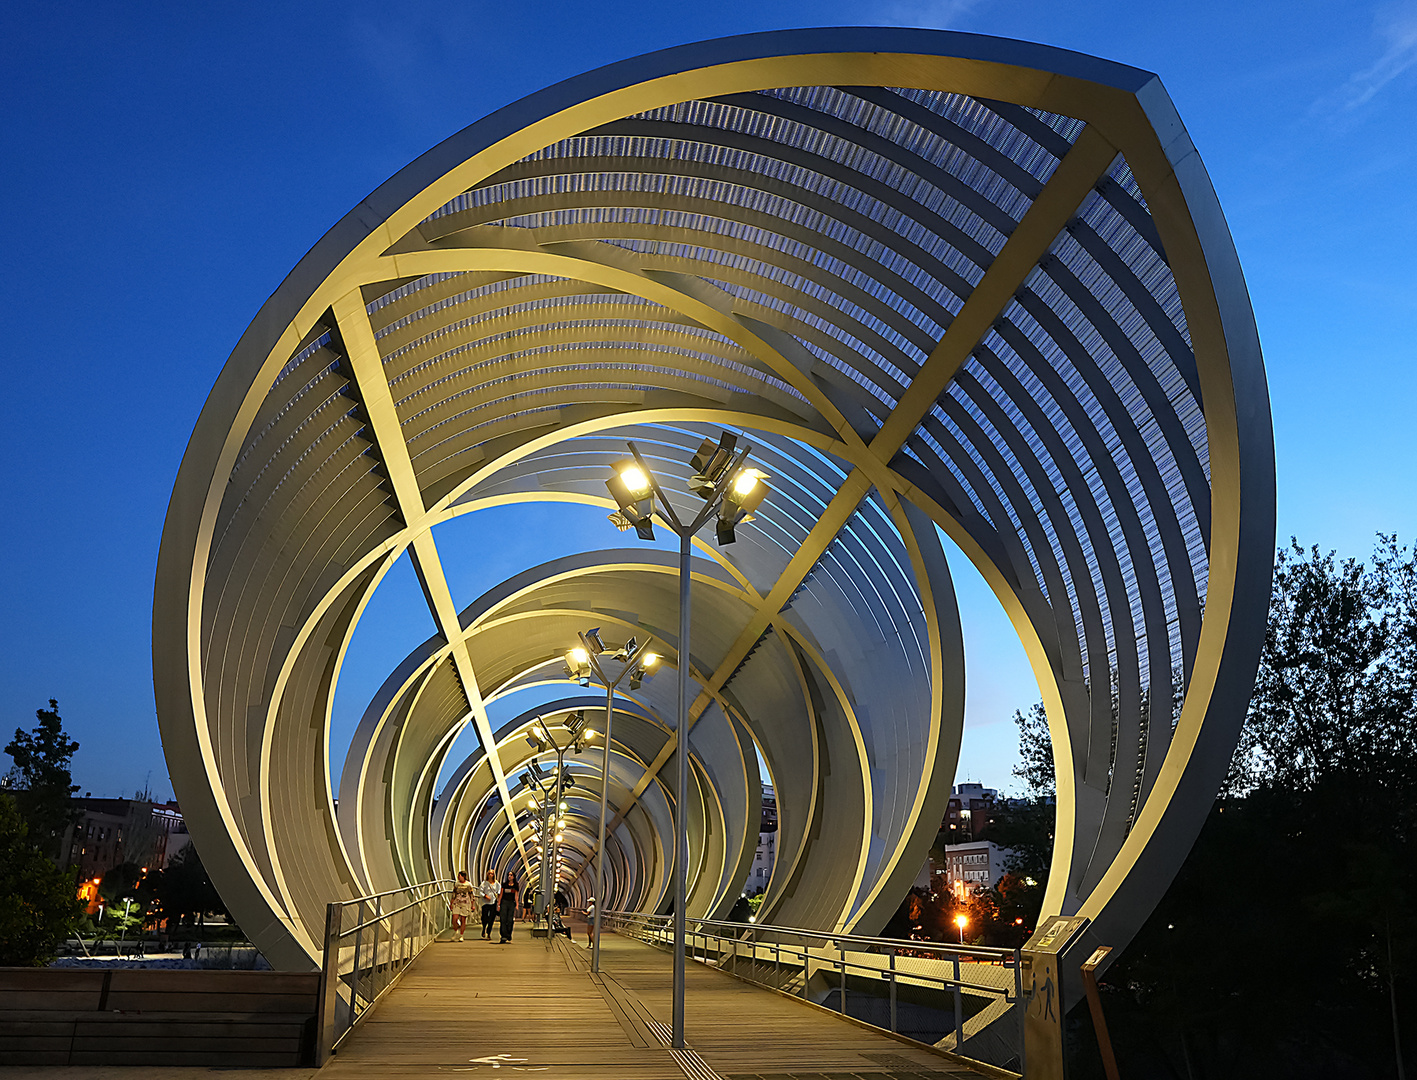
[{"x": 945, "y": 282}]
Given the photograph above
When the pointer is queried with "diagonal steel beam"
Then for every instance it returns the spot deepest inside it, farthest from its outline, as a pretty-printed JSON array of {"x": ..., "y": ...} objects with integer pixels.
[
  {"x": 367, "y": 368},
  {"x": 1077, "y": 173}
]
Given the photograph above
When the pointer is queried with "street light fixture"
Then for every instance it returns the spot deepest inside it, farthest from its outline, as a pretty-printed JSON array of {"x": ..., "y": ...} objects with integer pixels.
[
  {"x": 578, "y": 665},
  {"x": 631, "y": 487},
  {"x": 589, "y": 660},
  {"x": 731, "y": 493}
]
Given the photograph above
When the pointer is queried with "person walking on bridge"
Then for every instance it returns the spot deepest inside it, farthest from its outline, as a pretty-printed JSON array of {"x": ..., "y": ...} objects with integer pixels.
[
  {"x": 460, "y": 903},
  {"x": 509, "y": 906},
  {"x": 490, "y": 893}
]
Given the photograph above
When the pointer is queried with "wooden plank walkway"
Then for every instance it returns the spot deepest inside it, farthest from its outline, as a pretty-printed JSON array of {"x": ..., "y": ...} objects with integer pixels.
[
  {"x": 476, "y": 1006},
  {"x": 522, "y": 1005},
  {"x": 743, "y": 1032}
]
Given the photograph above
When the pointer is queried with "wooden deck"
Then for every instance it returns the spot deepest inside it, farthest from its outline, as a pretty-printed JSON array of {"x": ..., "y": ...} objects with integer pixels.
[{"x": 476, "y": 1006}]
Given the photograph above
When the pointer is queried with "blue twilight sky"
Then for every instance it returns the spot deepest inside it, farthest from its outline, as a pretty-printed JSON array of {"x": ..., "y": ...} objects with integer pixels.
[{"x": 162, "y": 166}]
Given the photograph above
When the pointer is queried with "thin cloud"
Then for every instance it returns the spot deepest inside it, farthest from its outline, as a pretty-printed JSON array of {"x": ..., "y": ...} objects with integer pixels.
[
  {"x": 937, "y": 14},
  {"x": 1397, "y": 27}
]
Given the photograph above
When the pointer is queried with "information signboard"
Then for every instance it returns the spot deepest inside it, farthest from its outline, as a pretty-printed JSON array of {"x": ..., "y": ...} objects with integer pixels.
[{"x": 1043, "y": 995}]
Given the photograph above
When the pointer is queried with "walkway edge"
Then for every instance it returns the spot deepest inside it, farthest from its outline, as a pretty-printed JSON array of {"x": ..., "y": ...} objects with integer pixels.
[{"x": 983, "y": 1068}]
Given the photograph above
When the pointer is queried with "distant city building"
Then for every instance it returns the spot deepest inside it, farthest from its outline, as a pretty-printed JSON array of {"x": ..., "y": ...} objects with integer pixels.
[
  {"x": 766, "y": 855},
  {"x": 968, "y": 817},
  {"x": 970, "y": 812},
  {"x": 978, "y": 864},
  {"x": 111, "y": 832}
]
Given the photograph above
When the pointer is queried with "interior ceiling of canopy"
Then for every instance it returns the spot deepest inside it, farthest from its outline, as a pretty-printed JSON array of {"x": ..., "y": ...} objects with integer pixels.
[{"x": 939, "y": 282}]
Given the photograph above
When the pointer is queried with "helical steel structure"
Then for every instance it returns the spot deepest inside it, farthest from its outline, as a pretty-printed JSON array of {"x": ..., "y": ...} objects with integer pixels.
[{"x": 943, "y": 284}]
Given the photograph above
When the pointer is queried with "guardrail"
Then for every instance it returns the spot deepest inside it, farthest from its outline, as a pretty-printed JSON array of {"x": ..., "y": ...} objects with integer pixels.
[
  {"x": 369, "y": 942},
  {"x": 778, "y": 956}
]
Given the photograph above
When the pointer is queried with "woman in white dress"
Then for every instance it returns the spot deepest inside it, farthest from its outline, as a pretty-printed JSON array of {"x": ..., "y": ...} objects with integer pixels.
[{"x": 460, "y": 903}]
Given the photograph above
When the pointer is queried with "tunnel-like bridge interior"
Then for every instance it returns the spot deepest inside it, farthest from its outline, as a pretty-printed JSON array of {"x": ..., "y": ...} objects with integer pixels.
[{"x": 942, "y": 284}]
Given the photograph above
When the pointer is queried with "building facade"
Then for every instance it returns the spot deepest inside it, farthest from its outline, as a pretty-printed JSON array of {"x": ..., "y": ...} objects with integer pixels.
[
  {"x": 760, "y": 873},
  {"x": 111, "y": 832},
  {"x": 973, "y": 867},
  {"x": 969, "y": 814}
]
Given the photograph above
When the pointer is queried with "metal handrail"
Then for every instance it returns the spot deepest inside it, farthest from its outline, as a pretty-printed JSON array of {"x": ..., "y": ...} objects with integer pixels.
[
  {"x": 733, "y": 936},
  {"x": 390, "y": 892},
  {"x": 390, "y": 914},
  {"x": 384, "y": 944},
  {"x": 944, "y": 947}
]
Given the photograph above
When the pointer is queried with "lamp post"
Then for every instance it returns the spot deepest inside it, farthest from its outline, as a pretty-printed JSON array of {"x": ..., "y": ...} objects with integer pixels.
[
  {"x": 733, "y": 493},
  {"x": 553, "y": 819},
  {"x": 123, "y": 930},
  {"x": 543, "y": 827},
  {"x": 583, "y": 662}
]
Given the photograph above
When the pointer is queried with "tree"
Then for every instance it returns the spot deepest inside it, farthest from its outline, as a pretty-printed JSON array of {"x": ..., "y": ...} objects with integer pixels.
[
  {"x": 1016, "y": 903},
  {"x": 184, "y": 891},
  {"x": 1287, "y": 942},
  {"x": 38, "y": 904},
  {"x": 1025, "y": 828},
  {"x": 1331, "y": 687},
  {"x": 122, "y": 920},
  {"x": 1396, "y": 572},
  {"x": 120, "y": 881},
  {"x": 43, "y": 787},
  {"x": 1035, "y": 746}
]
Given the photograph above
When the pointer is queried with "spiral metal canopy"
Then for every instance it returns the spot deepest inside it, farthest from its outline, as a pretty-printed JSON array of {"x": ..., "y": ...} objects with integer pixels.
[{"x": 939, "y": 282}]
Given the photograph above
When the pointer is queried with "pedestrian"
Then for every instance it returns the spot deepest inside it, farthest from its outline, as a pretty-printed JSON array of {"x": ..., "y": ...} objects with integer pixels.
[
  {"x": 561, "y": 902},
  {"x": 490, "y": 892},
  {"x": 529, "y": 905},
  {"x": 590, "y": 923},
  {"x": 509, "y": 906},
  {"x": 460, "y": 903}
]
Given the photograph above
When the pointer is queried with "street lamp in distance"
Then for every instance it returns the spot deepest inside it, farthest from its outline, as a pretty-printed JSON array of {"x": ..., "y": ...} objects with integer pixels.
[
  {"x": 589, "y": 660},
  {"x": 552, "y": 807}
]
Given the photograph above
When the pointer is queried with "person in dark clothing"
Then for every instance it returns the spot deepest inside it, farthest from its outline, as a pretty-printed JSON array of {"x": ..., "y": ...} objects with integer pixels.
[
  {"x": 509, "y": 906},
  {"x": 561, "y": 902}
]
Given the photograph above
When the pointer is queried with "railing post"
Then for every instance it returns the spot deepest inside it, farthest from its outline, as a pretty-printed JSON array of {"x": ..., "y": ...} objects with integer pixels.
[
  {"x": 329, "y": 986},
  {"x": 842, "y": 950},
  {"x": 374, "y": 959},
  {"x": 893, "y": 1020},
  {"x": 806, "y": 970},
  {"x": 354, "y": 1010},
  {"x": 1020, "y": 1006},
  {"x": 959, "y": 1010}
]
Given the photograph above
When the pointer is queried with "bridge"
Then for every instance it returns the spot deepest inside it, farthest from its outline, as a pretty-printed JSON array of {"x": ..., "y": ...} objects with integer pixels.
[
  {"x": 842, "y": 297},
  {"x": 535, "y": 1005}
]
